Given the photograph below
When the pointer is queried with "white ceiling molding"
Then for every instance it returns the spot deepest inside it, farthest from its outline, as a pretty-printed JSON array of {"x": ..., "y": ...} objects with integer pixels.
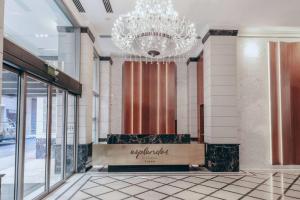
[{"x": 275, "y": 32}]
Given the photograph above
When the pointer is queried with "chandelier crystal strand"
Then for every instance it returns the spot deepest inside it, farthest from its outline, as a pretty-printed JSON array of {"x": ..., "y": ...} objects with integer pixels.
[{"x": 154, "y": 30}]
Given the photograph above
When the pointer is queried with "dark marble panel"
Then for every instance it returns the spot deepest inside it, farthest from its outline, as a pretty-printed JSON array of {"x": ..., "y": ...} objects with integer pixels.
[
  {"x": 149, "y": 139},
  {"x": 222, "y": 157},
  {"x": 84, "y": 158},
  {"x": 220, "y": 32}
]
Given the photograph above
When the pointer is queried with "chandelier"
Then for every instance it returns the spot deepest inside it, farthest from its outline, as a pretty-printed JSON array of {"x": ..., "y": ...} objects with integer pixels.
[{"x": 154, "y": 30}]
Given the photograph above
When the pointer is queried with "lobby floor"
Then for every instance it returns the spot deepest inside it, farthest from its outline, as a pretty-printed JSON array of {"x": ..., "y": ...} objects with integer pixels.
[{"x": 175, "y": 186}]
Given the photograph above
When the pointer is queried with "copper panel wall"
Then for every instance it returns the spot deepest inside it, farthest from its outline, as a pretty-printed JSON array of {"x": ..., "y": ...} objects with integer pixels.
[
  {"x": 285, "y": 98},
  {"x": 274, "y": 104},
  {"x": 200, "y": 100},
  {"x": 149, "y": 98}
]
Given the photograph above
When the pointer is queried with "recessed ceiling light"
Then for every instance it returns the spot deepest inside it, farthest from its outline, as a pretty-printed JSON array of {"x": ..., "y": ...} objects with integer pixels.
[{"x": 41, "y": 35}]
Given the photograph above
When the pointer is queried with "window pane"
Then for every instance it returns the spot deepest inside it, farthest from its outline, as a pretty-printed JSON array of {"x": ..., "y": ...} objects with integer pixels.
[
  {"x": 36, "y": 138},
  {"x": 71, "y": 134},
  {"x": 57, "y": 135},
  {"x": 43, "y": 29},
  {"x": 8, "y": 122}
]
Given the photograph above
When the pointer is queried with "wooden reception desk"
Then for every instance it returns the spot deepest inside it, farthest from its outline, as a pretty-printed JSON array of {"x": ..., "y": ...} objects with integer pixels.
[{"x": 172, "y": 152}]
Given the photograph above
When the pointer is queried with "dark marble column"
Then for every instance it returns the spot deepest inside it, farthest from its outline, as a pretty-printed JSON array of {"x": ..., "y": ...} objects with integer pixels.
[
  {"x": 222, "y": 157},
  {"x": 84, "y": 157}
]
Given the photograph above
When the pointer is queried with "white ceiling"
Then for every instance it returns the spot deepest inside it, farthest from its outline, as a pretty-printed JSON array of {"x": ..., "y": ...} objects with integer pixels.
[{"x": 204, "y": 13}]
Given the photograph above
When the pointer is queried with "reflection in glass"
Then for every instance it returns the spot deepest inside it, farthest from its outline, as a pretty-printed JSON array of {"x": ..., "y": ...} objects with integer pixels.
[
  {"x": 41, "y": 27},
  {"x": 8, "y": 122},
  {"x": 36, "y": 138},
  {"x": 71, "y": 135},
  {"x": 57, "y": 135}
]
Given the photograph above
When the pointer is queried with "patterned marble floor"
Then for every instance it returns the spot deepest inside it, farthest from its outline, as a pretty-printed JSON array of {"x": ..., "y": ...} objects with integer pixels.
[{"x": 185, "y": 186}]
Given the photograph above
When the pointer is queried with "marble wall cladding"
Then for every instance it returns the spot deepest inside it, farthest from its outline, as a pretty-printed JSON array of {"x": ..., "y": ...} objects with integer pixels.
[
  {"x": 149, "y": 139},
  {"x": 104, "y": 128},
  {"x": 116, "y": 76},
  {"x": 192, "y": 99},
  {"x": 182, "y": 97},
  {"x": 84, "y": 157},
  {"x": 86, "y": 100},
  {"x": 220, "y": 90},
  {"x": 222, "y": 157}
]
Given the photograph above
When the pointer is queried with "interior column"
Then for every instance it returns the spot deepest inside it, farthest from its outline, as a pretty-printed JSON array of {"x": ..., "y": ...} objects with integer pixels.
[{"x": 220, "y": 101}]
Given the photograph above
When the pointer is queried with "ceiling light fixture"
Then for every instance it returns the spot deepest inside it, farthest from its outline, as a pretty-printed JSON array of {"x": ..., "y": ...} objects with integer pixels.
[{"x": 154, "y": 30}]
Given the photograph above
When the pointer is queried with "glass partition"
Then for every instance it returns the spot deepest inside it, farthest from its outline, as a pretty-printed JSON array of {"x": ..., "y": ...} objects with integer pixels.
[
  {"x": 35, "y": 138},
  {"x": 8, "y": 132},
  {"x": 57, "y": 135}
]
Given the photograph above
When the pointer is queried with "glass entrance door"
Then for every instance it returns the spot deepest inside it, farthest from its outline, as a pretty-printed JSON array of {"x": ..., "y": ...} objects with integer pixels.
[
  {"x": 8, "y": 132},
  {"x": 35, "y": 138},
  {"x": 48, "y": 135}
]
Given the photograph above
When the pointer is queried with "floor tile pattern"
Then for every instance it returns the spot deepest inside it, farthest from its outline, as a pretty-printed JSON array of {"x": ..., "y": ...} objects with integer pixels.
[{"x": 248, "y": 186}]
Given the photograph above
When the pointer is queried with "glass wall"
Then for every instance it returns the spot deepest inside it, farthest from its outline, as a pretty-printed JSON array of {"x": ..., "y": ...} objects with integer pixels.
[
  {"x": 8, "y": 132},
  {"x": 42, "y": 28},
  {"x": 57, "y": 135},
  {"x": 49, "y": 142},
  {"x": 35, "y": 138}
]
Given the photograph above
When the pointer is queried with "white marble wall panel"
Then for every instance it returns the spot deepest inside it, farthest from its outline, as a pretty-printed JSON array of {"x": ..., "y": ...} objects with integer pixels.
[
  {"x": 192, "y": 99},
  {"x": 220, "y": 90},
  {"x": 86, "y": 100},
  {"x": 116, "y": 77},
  {"x": 182, "y": 98},
  {"x": 105, "y": 68}
]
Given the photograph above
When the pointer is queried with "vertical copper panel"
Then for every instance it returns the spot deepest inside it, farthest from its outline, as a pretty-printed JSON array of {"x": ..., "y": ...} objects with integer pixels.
[
  {"x": 136, "y": 98},
  {"x": 146, "y": 99},
  {"x": 285, "y": 78},
  {"x": 200, "y": 100},
  {"x": 162, "y": 98},
  {"x": 127, "y": 78},
  {"x": 149, "y": 98},
  {"x": 171, "y": 98},
  {"x": 153, "y": 96},
  {"x": 285, "y": 100},
  {"x": 274, "y": 104},
  {"x": 294, "y": 62}
]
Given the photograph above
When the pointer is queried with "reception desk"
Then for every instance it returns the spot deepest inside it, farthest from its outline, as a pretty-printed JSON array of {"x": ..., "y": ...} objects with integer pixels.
[{"x": 148, "y": 153}]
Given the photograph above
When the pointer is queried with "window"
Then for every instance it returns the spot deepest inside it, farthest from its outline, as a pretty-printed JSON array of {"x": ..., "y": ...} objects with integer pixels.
[{"x": 43, "y": 29}]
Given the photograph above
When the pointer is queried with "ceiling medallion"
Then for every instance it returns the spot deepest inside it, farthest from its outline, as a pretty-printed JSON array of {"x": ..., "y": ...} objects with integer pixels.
[{"x": 154, "y": 30}]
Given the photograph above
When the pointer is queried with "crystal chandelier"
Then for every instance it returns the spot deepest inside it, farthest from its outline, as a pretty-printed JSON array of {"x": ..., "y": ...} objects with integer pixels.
[{"x": 154, "y": 30}]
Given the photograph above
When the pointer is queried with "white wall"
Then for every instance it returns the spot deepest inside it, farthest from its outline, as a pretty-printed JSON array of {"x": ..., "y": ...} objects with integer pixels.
[{"x": 254, "y": 102}]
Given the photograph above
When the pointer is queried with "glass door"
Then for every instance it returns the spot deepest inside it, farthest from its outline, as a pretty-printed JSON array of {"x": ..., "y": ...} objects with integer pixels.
[
  {"x": 37, "y": 145},
  {"x": 57, "y": 135},
  {"x": 8, "y": 132},
  {"x": 35, "y": 158}
]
